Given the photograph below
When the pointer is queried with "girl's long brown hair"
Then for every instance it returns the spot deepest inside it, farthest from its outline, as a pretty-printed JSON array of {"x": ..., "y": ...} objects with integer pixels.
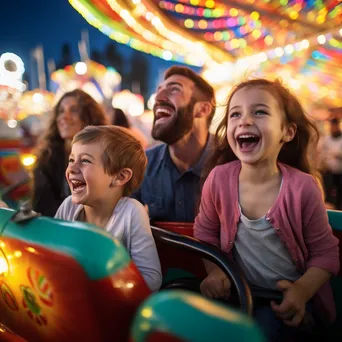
[{"x": 296, "y": 153}]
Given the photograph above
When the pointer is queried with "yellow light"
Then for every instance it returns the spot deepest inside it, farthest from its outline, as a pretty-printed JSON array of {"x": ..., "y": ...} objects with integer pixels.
[
  {"x": 249, "y": 50},
  {"x": 320, "y": 19},
  {"x": 31, "y": 249},
  {"x": 218, "y": 36},
  {"x": 194, "y": 2},
  {"x": 233, "y": 12},
  {"x": 293, "y": 15},
  {"x": 333, "y": 42},
  {"x": 202, "y": 24},
  {"x": 147, "y": 312},
  {"x": 256, "y": 34},
  {"x": 235, "y": 43},
  {"x": 188, "y": 23},
  {"x": 28, "y": 159},
  {"x": 3, "y": 265},
  {"x": 129, "y": 285},
  {"x": 2, "y": 244},
  {"x": 268, "y": 40},
  {"x": 323, "y": 11},
  {"x": 210, "y": 4},
  {"x": 179, "y": 8},
  {"x": 18, "y": 254},
  {"x": 242, "y": 43},
  {"x": 255, "y": 15}
]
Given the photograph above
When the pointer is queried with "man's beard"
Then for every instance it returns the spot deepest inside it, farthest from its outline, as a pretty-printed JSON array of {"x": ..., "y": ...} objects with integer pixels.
[{"x": 179, "y": 125}]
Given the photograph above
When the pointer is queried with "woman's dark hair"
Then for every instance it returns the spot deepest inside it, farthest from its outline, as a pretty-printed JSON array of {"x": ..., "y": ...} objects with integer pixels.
[
  {"x": 120, "y": 119},
  {"x": 51, "y": 145},
  {"x": 295, "y": 153}
]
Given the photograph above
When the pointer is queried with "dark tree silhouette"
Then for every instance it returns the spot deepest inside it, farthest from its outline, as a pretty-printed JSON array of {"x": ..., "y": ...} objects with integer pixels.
[
  {"x": 66, "y": 57},
  {"x": 113, "y": 57},
  {"x": 96, "y": 56},
  {"x": 140, "y": 72}
]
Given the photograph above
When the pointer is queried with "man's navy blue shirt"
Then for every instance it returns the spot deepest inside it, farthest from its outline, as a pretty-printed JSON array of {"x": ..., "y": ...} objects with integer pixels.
[{"x": 170, "y": 194}]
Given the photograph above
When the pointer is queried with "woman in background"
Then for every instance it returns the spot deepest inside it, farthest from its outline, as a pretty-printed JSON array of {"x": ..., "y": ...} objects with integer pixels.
[{"x": 74, "y": 111}]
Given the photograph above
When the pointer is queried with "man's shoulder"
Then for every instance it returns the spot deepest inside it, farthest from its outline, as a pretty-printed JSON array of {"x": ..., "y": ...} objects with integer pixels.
[
  {"x": 155, "y": 155},
  {"x": 156, "y": 151}
]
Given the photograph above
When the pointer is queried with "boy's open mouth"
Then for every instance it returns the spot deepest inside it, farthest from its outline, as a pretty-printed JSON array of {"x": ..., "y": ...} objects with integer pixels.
[
  {"x": 77, "y": 186},
  {"x": 247, "y": 141}
]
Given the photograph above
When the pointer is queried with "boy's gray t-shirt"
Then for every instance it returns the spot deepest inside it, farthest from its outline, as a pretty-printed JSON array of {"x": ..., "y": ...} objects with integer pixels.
[{"x": 129, "y": 224}]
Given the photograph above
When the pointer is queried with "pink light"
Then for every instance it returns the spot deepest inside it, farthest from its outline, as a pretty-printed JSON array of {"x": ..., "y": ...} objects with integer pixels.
[{"x": 231, "y": 22}]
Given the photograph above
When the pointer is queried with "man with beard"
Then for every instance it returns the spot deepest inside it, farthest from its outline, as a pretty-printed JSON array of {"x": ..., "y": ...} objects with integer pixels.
[{"x": 183, "y": 111}]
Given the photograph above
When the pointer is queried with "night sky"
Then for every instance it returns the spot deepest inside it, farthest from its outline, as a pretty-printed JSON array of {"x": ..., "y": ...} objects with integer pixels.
[{"x": 25, "y": 24}]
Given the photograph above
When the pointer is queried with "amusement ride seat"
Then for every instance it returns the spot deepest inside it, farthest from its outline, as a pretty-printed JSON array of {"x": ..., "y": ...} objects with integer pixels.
[{"x": 64, "y": 281}]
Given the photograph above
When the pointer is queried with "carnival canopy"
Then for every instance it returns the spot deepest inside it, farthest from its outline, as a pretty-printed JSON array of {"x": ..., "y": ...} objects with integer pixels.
[{"x": 297, "y": 40}]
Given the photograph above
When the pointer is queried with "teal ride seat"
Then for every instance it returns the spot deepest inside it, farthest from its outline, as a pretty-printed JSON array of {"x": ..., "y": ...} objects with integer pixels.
[
  {"x": 335, "y": 220},
  {"x": 177, "y": 315},
  {"x": 64, "y": 281}
]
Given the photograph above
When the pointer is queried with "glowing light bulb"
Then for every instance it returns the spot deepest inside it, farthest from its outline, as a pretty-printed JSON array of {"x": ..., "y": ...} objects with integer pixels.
[
  {"x": 321, "y": 39},
  {"x": 289, "y": 49},
  {"x": 81, "y": 68},
  {"x": 279, "y": 51},
  {"x": 12, "y": 123}
]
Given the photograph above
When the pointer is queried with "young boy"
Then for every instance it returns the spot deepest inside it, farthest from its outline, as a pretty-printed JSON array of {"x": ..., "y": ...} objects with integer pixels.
[{"x": 106, "y": 165}]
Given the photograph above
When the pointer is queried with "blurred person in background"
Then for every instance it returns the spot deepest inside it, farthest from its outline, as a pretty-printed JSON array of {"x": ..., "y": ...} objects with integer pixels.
[
  {"x": 330, "y": 156},
  {"x": 119, "y": 118},
  {"x": 74, "y": 111}
]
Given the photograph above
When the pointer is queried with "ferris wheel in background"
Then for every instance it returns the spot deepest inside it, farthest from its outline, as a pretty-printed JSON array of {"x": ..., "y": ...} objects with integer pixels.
[{"x": 11, "y": 86}]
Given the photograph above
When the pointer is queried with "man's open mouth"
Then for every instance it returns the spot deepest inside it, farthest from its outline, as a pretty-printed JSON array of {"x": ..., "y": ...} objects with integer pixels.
[{"x": 163, "y": 110}]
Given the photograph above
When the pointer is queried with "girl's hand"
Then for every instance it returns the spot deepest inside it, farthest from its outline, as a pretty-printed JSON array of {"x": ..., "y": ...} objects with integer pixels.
[
  {"x": 292, "y": 309},
  {"x": 216, "y": 285}
]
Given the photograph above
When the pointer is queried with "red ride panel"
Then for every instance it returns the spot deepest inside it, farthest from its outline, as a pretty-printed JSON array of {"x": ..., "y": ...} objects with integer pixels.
[
  {"x": 46, "y": 296},
  {"x": 171, "y": 257}
]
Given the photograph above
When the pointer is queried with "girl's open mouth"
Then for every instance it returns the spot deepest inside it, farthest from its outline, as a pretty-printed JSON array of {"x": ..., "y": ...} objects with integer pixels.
[{"x": 247, "y": 142}]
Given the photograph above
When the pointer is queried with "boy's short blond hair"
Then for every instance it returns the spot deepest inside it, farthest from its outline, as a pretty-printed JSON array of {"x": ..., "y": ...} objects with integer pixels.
[{"x": 120, "y": 150}]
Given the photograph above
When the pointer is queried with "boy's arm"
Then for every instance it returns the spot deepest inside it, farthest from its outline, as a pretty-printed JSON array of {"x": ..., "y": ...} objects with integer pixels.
[{"x": 143, "y": 249}]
